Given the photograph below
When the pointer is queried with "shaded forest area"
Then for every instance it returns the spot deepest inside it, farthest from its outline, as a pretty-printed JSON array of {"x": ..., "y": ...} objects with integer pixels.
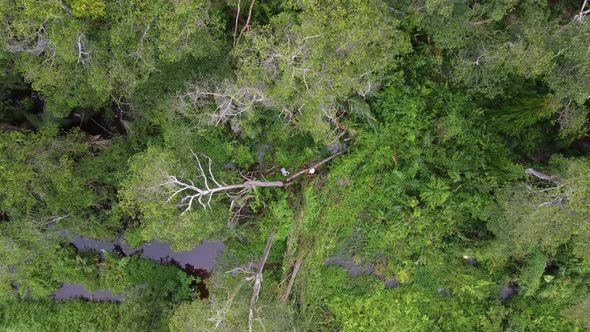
[{"x": 365, "y": 165}]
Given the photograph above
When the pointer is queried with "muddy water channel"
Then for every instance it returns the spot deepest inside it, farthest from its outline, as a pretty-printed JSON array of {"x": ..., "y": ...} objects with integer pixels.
[{"x": 198, "y": 262}]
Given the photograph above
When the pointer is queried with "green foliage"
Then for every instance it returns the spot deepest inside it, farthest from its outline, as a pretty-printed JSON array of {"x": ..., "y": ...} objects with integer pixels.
[
  {"x": 48, "y": 316},
  {"x": 411, "y": 310},
  {"x": 145, "y": 196},
  {"x": 524, "y": 113},
  {"x": 496, "y": 47},
  {"x": 76, "y": 315},
  {"x": 530, "y": 279},
  {"x": 544, "y": 215},
  {"x": 230, "y": 310},
  {"x": 579, "y": 312},
  {"x": 121, "y": 275},
  {"x": 88, "y": 8},
  {"x": 437, "y": 108},
  {"x": 77, "y": 61},
  {"x": 51, "y": 176},
  {"x": 142, "y": 281},
  {"x": 403, "y": 193},
  {"x": 25, "y": 252},
  {"x": 38, "y": 168},
  {"x": 312, "y": 60}
]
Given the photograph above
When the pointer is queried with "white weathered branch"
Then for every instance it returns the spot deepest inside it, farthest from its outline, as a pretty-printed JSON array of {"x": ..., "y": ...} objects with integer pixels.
[
  {"x": 28, "y": 44},
  {"x": 253, "y": 273},
  {"x": 314, "y": 166},
  {"x": 83, "y": 55},
  {"x": 53, "y": 219},
  {"x": 292, "y": 277},
  {"x": 583, "y": 12},
  {"x": 258, "y": 279},
  {"x": 210, "y": 186},
  {"x": 219, "y": 316},
  {"x": 230, "y": 100},
  {"x": 542, "y": 176},
  {"x": 556, "y": 195}
]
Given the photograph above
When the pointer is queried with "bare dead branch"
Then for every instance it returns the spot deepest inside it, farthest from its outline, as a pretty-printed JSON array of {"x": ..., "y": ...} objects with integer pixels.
[
  {"x": 52, "y": 220},
  {"x": 83, "y": 55},
  {"x": 583, "y": 12},
  {"x": 246, "y": 26},
  {"x": 258, "y": 278},
  {"x": 480, "y": 23},
  {"x": 28, "y": 44},
  {"x": 230, "y": 100},
  {"x": 238, "y": 203},
  {"x": 236, "y": 25},
  {"x": 314, "y": 166},
  {"x": 220, "y": 314},
  {"x": 210, "y": 186},
  {"x": 543, "y": 176},
  {"x": 292, "y": 277},
  {"x": 253, "y": 272}
]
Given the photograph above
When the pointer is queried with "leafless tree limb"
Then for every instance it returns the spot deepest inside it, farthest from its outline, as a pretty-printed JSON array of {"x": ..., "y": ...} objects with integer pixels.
[
  {"x": 210, "y": 186},
  {"x": 583, "y": 12},
  {"x": 258, "y": 278},
  {"x": 253, "y": 272},
  {"x": 554, "y": 201},
  {"x": 28, "y": 44},
  {"x": 231, "y": 101},
  {"x": 246, "y": 26},
  {"x": 52, "y": 220},
  {"x": 238, "y": 203},
  {"x": 543, "y": 176},
  {"x": 556, "y": 195},
  {"x": 480, "y": 23},
  {"x": 83, "y": 55},
  {"x": 236, "y": 24},
  {"x": 220, "y": 314},
  {"x": 292, "y": 277},
  {"x": 314, "y": 166}
]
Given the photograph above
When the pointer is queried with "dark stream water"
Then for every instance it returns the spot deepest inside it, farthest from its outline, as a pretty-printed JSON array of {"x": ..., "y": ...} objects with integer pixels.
[
  {"x": 70, "y": 291},
  {"x": 198, "y": 262}
]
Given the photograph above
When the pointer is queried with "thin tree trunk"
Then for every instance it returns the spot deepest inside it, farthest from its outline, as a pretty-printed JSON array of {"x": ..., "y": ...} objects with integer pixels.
[
  {"x": 236, "y": 25},
  {"x": 314, "y": 166},
  {"x": 258, "y": 278},
  {"x": 285, "y": 296}
]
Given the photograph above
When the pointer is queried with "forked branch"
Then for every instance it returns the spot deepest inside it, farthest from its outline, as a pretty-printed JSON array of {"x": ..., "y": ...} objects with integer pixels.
[
  {"x": 246, "y": 26},
  {"x": 253, "y": 275},
  {"x": 209, "y": 186},
  {"x": 258, "y": 279},
  {"x": 583, "y": 12},
  {"x": 83, "y": 54}
]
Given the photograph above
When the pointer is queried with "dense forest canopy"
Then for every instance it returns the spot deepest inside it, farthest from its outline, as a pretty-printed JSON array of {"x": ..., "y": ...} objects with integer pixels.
[{"x": 366, "y": 165}]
